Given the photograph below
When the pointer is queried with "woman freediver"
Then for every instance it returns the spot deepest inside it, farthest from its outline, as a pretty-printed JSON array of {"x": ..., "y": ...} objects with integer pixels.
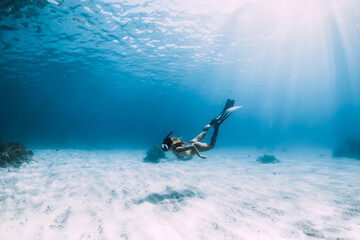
[{"x": 195, "y": 146}]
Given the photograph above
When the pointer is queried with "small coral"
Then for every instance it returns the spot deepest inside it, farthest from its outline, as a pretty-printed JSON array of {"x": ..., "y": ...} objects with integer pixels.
[
  {"x": 154, "y": 155},
  {"x": 14, "y": 154},
  {"x": 2, "y": 146},
  {"x": 267, "y": 159},
  {"x": 349, "y": 149}
]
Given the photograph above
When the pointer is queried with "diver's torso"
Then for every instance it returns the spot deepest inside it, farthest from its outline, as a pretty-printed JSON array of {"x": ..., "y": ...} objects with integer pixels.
[{"x": 186, "y": 154}]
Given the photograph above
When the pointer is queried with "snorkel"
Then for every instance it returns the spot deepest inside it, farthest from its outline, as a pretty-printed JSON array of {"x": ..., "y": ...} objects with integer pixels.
[{"x": 167, "y": 142}]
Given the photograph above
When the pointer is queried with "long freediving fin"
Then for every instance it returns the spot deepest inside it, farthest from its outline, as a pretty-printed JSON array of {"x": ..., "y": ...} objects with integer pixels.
[
  {"x": 229, "y": 103},
  {"x": 226, "y": 114}
]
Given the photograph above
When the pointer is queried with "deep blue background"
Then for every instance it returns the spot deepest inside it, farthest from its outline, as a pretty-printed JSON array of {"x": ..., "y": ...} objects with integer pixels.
[{"x": 70, "y": 77}]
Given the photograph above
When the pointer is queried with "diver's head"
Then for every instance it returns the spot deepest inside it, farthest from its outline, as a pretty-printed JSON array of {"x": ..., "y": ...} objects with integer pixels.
[{"x": 168, "y": 141}]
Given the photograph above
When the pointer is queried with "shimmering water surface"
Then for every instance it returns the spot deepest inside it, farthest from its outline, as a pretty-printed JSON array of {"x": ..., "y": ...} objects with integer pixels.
[{"x": 107, "y": 72}]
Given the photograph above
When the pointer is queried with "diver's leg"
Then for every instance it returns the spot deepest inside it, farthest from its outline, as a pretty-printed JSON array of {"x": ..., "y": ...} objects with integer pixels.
[
  {"x": 214, "y": 136},
  {"x": 201, "y": 136},
  {"x": 202, "y": 147}
]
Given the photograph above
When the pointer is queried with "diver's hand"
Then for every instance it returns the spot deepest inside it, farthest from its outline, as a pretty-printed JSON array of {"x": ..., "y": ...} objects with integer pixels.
[{"x": 202, "y": 156}]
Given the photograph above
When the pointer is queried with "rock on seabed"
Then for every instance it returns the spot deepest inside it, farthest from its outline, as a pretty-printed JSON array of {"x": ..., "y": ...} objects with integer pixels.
[
  {"x": 348, "y": 149},
  {"x": 14, "y": 154},
  {"x": 267, "y": 158}
]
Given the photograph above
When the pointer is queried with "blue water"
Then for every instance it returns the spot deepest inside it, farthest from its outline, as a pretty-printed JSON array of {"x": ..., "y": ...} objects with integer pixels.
[
  {"x": 125, "y": 73},
  {"x": 90, "y": 86}
]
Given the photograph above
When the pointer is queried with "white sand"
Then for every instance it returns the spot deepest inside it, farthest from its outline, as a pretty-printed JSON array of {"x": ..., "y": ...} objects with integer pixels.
[{"x": 75, "y": 194}]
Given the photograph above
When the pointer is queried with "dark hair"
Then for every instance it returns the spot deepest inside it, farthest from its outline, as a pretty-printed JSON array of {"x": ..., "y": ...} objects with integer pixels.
[
  {"x": 175, "y": 142},
  {"x": 168, "y": 141},
  {"x": 171, "y": 142}
]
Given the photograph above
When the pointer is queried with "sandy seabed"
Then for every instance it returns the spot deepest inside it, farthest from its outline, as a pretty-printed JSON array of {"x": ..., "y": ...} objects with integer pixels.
[{"x": 87, "y": 194}]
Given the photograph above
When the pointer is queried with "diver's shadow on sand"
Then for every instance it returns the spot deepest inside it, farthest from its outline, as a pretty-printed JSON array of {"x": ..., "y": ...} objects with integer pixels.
[{"x": 169, "y": 196}]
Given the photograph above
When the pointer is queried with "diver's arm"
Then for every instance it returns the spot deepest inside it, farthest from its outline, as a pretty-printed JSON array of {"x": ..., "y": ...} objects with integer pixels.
[{"x": 198, "y": 153}]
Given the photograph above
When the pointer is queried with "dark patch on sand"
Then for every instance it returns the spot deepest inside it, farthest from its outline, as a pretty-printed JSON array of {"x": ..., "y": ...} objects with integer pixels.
[
  {"x": 169, "y": 195},
  {"x": 267, "y": 158}
]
